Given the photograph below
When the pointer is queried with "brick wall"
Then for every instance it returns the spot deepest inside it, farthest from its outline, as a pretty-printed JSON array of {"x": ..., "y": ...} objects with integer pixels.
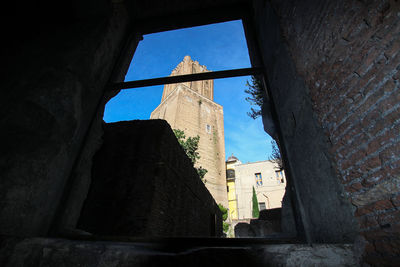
[
  {"x": 143, "y": 184},
  {"x": 348, "y": 54},
  {"x": 322, "y": 212}
]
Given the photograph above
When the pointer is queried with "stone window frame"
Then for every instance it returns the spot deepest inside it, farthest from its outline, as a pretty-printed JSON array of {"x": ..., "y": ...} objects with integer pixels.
[
  {"x": 256, "y": 69},
  {"x": 306, "y": 228}
]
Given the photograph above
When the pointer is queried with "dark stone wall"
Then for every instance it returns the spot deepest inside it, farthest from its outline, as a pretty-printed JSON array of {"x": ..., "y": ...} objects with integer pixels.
[
  {"x": 268, "y": 224},
  {"x": 143, "y": 184},
  {"x": 346, "y": 55},
  {"x": 324, "y": 211},
  {"x": 80, "y": 179},
  {"x": 57, "y": 69},
  {"x": 170, "y": 252}
]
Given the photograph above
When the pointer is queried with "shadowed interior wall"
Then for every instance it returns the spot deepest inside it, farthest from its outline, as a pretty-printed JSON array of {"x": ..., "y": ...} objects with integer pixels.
[
  {"x": 59, "y": 58},
  {"x": 346, "y": 54},
  {"x": 325, "y": 212},
  {"x": 56, "y": 75}
]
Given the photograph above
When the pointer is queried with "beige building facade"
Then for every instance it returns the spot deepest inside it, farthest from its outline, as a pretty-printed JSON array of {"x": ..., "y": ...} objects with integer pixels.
[
  {"x": 231, "y": 188},
  {"x": 267, "y": 179},
  {"x": 190, "y": 107}
]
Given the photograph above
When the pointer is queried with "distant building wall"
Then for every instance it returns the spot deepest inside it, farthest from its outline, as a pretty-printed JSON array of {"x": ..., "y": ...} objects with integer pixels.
[
  {"x": 187, "y": 109},
  {"x": 232, "y": 200},
  {"x": 269, "y": 184},
  {"x": 143, "y": 184},
  {"x": 231, "y": 187}
]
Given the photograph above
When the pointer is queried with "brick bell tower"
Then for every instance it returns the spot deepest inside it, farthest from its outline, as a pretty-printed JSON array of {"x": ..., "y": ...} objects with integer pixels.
[{"x": 190, "y": 107}]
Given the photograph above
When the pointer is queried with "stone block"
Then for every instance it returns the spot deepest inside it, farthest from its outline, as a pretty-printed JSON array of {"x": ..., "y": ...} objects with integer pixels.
[
  {"x": 143, "y": 184},
  {"x": 62, "y": 252}
]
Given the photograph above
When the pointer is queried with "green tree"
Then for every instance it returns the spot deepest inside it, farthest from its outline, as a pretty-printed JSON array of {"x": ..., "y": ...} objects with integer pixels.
[
  {"x": 256, "y": 210},
  {"x": 256, "y": 98},
  {"x": 276, "y": 155},
  {"x": 225, "y": 226},
  {"x": 190, "y": 146}
]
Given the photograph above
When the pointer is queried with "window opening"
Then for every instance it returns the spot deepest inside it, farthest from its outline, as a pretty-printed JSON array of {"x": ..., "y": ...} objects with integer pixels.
[
  {"x": 146, "y": 70},
  {"x": 208, "y": 128},
  {"x": 259, "y": 181}
]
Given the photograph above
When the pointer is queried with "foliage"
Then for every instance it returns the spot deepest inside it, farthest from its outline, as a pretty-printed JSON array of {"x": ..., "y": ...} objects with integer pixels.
[
  {"x": 225, "y": 226},
  {"x": 256, "y": 210},
  {"x": 201, "y": 171},
  {"x": 224, "y": 212},
  {"x": 190, "y": 146},
  {"x": 276, "y": 155},
  {"x": 256, "y": 98}
]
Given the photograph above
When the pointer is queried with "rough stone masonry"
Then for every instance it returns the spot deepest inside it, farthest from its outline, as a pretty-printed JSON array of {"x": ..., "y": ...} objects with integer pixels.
[
  {"x": 354, "y": 82},
  {"x": 144, "y": 185}
]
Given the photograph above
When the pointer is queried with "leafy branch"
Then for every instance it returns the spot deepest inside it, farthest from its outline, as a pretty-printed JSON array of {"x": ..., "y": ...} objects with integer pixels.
[
  {"x": 256, "y": 98},
  {"x": 224, "y": 211},
  {"x": 276, "y": 155},
  {"x": 190, "y": 146}
]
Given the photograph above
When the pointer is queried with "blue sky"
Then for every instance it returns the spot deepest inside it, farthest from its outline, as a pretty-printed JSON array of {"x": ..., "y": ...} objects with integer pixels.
[{"x": 219, "y": 47}]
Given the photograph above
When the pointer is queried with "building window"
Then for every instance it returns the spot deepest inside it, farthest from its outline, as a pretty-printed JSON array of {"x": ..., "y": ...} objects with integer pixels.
[
  {"x": 279, "y": 176},
  {"x": 258, "y": 179},
  {"x": 262, "y": 206},
  {"x": 208, "y": 128},
  {"x": 227, "y": 189},
  {"x": 230, "y": 174}
]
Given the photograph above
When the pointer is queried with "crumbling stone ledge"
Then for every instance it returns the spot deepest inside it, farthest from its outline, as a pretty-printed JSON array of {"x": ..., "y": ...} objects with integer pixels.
[{"x": 63, "y": 252}]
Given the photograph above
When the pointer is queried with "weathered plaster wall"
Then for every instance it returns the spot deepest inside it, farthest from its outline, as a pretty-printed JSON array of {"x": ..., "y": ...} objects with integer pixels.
[
  {"x": 55, "y": 80},
  {"x": 143, "y": 184},
  {"x": 270, "y": 192},
  {"x": 325, "y": 212}
]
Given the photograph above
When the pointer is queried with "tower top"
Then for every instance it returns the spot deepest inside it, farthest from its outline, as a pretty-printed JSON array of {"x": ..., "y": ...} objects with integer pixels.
[{"x": 188, "y": 66}]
